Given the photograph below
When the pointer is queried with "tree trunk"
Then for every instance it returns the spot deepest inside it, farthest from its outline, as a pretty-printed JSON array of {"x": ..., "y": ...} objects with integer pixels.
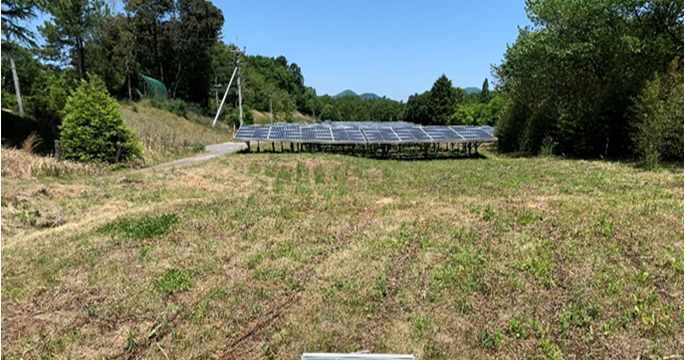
[
  {"x": 16, "y": 84},
  {"x": 130, "y": 96},
  {"x": 157, "y": 60},
  {"x": 81, "y": 60},
  {"x": 179, "y": 74}
]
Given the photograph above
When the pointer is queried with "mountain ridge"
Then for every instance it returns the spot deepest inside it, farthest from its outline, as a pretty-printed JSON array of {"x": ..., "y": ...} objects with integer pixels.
[{"x": 365, "y": 96}]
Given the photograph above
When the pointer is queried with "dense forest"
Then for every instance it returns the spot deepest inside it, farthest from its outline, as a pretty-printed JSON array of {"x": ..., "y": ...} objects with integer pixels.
[
  {"x": 588, "y": 78},
  {"x": 596, "y": 78}
]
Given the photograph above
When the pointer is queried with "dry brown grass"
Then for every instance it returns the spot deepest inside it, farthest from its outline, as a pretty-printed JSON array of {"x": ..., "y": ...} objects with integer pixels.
[
  {"x": 263, "y": 117},
  {"x": 294, "y": 253},
  {"x": 159, "y": 129},
  {"x": 22, "y": 164},
  {"x": 166, "y": 137},
  {"x": 31, "y": 142}
]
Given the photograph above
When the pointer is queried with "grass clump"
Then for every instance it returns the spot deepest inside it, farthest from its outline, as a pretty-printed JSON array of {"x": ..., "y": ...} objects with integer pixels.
[
  {"x": 490, "y": 339},
  {"x": 19, "y": 164},
  {"x": 145, "y": 227},
  {"x": 175, "y": 280}
]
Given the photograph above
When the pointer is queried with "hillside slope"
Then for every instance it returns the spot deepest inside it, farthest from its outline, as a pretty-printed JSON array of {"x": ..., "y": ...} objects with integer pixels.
[{"x": 160, "y": 128}]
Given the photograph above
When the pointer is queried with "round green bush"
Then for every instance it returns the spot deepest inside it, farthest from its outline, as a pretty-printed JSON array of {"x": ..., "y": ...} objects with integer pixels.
[{"x": 93, "y": 130}]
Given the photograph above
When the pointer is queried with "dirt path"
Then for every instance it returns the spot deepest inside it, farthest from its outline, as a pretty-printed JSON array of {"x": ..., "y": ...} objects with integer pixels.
[{"x": 213, "y": 151}]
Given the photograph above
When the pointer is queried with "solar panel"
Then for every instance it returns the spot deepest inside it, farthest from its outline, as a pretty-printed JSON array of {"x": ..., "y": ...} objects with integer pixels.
[
  {"x": 381, "y": 136},
  {"x": 412, "y": 134},
  {"x": 348, "y": 136},
  {"x": 488, "y": 129},
  {"x": 441, "y": 133},
  {"x": 318, "y": 134},
  {"x": 473, "y": 134},
  {"x": 365, "y": 132},
  {"x": 246, "y": 132}
]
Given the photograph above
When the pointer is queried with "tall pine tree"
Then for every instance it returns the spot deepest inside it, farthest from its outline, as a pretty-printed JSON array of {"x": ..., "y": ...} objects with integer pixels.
[
  {"x": 73, "y": 23},
  {"x": 485, "y": 92}
]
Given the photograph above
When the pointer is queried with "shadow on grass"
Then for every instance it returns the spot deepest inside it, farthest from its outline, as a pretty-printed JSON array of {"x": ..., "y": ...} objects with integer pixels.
[
  {"x": 405, "y": 153},
  {"x": 674, "y": 167}
]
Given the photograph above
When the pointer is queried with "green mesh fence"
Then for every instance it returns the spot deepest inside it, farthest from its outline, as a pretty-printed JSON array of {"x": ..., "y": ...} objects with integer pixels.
[{"x": 154, "y": 89}]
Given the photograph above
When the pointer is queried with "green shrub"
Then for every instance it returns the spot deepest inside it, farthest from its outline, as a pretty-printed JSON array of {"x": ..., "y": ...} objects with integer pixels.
[
  {"x": 234, "y": 116},
  {"x": 93, "y": 129},
  {"x": 198, "y": 148}
]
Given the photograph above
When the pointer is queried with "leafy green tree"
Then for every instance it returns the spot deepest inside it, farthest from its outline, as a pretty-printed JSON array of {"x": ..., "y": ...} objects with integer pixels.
[
  {"x": 93, "y": 130},
  {"x": 416, "y": 110},
  {"x": 462, "y": 97},
  {"x": 73, "y": 23},
  {"x": 14, "y": 33},
  {"x": 384, "y": 109},
  {"x": 289, "y": 110},
  {"x": 327, "y": 112},
  {"x": 441, "y": 101}
]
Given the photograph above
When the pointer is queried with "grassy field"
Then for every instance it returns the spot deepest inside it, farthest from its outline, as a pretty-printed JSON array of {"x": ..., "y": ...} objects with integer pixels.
[{"x": 271, "y": 255}]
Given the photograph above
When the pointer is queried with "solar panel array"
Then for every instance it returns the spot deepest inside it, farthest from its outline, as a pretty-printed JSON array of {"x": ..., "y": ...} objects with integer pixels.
[{"x": 365, "y": 133}]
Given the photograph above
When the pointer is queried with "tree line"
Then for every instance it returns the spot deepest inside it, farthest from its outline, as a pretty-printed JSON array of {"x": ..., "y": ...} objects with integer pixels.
[
  {"x": 595, "y": 78},
  {"x": 588, "y": 78}
]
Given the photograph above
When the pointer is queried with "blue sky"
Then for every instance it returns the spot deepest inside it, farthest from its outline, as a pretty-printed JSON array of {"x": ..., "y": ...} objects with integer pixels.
[{"x": 391, "y": 48}]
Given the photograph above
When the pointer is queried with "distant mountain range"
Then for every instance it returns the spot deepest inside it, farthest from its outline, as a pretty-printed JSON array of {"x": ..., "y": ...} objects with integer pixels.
[{"x": 365, "y": 96}]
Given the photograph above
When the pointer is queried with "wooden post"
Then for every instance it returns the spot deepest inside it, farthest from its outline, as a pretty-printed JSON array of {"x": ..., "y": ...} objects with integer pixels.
[
  {"x": 58, "y": 150},
  {"x": 257, "y": 146},
  {"x": 273, "y": 147}
]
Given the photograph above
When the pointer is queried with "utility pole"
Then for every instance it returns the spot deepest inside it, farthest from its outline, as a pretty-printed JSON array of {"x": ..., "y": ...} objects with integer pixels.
[
  {"x": 223, "y": 100},
  {"x": 216, "y": 90},
  {"x": 271, "y": 110},
  {"x": 240, "y": 95}
]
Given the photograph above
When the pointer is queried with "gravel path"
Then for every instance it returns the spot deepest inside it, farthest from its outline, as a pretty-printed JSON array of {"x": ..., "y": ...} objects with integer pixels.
[{"x": 213, "y": 151}]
